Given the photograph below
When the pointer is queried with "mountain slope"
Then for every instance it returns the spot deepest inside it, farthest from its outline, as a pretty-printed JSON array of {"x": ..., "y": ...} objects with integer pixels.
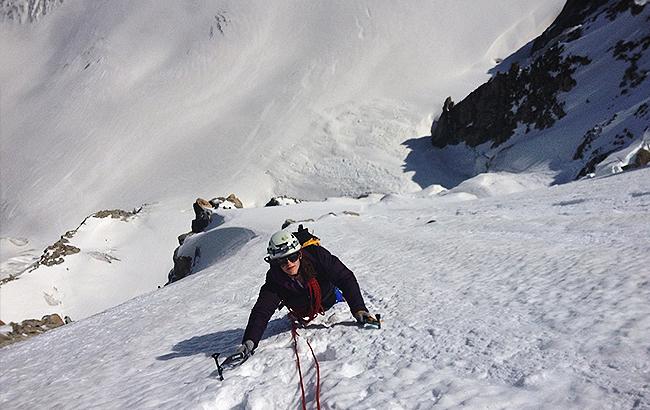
[
  {"x": 113, "y": 104},
  {"x": 565, "y": 102},
  {"x": 531, "y": 300}
]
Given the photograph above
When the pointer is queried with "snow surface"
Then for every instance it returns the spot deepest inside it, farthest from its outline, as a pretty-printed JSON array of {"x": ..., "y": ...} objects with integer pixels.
[
  {"x": 117, "y": 261},
  {"x": 104, "y": 106},
  {"x": 498, "y": 293},
  {"x": 532, "y": 300},
  {"x": 112, "y": 104}
]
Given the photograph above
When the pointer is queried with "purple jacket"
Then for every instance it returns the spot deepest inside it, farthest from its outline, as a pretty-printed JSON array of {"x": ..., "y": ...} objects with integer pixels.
[{"x": 280, "y": 288}]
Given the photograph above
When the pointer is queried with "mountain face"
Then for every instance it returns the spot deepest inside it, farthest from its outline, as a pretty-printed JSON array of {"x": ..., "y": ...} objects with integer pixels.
[
  {"x": 114, "y": 104},
  {"x": 569, "y": 99},
  {"x": 26, "y": 10}
]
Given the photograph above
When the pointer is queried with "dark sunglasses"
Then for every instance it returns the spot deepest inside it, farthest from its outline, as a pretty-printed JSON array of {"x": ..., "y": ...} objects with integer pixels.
[{"x": 282, "y": 261}]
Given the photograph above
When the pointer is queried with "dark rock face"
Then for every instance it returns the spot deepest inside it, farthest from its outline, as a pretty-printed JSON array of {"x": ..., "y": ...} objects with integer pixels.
[
  {"x": 641, "y": 159},
  {"x": 576, "y": 12},
  {"x": 182, "y": 267},
  {"x": 282, "y": 200},
  {"x": 573, "y": 14},
  {"x": 203, "y": 212},
  {"x": 529, "y": 96},
  {"x": 631, "y": 52},
  {"x": 525, "y": 95}
]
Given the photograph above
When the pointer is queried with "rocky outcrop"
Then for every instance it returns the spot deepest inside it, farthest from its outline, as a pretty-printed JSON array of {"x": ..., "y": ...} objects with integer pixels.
[
  {"x": 522, "y": 95},
  {"x": 117, "y": 214},
  {"x": 204, "y": 215},
  {"x": 530, "y": 93},
  {"x": 56, "y": 253},
  {"x": 641, "y": 159},
  {"x": 204, "y": 211},
  {"x": 29, "y": 328},
  {"x": 282, "y": 200},
  {"x": 229, "y": 202},
  {"x": 631, "y": 52}
]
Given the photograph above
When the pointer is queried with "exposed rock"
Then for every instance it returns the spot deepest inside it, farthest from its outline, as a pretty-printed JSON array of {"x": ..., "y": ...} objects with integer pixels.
[
  {"x": 576, "y": 12},
  {"x": 602, "y": 151},
  {"x": 182, "y": 268},
  {"x": 642, "y": 158},
  {"x": 573, "y": 14},
  {"x": 631, "y": 52},
  {"x": 530, "y": 94},
  {"x": 117, "y": 214},
  {"x": 282, "y": 200},
  {"x": 203, "y": 212},
  {"x": 227, "y": 203},
  {"x": 525, "y": 95},
  {"x": 30, "y": 327},
  {"x": 53, "y": 254}
]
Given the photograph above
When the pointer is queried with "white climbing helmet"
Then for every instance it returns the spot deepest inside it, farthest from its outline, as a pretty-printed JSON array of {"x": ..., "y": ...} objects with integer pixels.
[{"x": 281, "y": 244}]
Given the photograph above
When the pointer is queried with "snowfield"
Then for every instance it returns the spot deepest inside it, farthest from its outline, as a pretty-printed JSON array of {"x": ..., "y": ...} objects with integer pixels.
[
  {"x": 534, "y": 299},
  {"x": 113, "y": 104},
  {"x": 496, "y": 291}
]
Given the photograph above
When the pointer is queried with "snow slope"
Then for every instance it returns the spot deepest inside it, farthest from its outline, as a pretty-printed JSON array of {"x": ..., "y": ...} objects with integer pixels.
[
  {"x": 535, "y": 299},
  {"x": 112, "y": 104}
]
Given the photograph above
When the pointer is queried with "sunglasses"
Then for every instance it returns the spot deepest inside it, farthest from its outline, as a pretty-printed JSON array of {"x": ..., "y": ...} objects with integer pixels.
[{"x": 283, "y": 261}]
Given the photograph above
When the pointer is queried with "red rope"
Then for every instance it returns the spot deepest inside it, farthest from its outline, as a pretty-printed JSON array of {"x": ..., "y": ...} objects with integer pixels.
[
  {"x": 295, "y": 349},
  {"x": 317, "y": 375},
  {"x": 315, "y": 307},
  {"x": 294, "y": 334},
  {"x": 314, "y": 295}
]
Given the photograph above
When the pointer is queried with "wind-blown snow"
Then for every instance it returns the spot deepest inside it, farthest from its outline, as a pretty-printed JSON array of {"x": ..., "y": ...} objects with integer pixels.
[{"x": 537, "y": 299}]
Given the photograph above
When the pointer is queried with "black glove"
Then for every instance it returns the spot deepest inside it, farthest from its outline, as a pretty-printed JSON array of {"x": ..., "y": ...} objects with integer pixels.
[{"x": 362, "y": 317}]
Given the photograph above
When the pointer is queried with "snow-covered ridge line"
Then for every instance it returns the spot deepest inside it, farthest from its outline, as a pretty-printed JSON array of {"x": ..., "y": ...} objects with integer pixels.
[
  {"x": 91, "y": 268},
  {"x": 55, "y": 253}
]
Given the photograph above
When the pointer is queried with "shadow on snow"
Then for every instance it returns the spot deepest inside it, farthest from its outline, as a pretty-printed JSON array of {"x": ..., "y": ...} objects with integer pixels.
[{"x": 221, "y": 341}]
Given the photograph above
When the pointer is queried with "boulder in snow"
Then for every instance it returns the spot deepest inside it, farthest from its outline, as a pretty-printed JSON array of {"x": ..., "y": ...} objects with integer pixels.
[
  {"x": 229, "y": 202},
  {"x": 16, "y": 332},
  {"x": 282, "y": 201}
]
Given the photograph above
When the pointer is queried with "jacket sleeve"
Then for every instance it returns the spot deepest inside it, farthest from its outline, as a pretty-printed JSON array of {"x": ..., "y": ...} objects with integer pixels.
[
  {"x": 267, "y": 302},
  {"x": 342, "y": 278}
]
